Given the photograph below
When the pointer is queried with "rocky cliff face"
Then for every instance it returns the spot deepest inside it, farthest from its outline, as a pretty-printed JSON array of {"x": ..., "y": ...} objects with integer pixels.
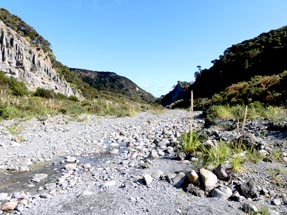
[
  {"x": 29, "y": 64},
  {"x": 178, "y": 97}
]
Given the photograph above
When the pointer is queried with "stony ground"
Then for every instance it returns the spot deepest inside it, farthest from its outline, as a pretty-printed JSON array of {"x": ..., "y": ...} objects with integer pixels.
[{"x": 94, "y": 165}]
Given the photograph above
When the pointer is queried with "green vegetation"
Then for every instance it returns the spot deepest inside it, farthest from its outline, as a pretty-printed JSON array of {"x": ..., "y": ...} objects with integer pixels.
[
  {"x": 12, "y": 86},
  {"x": 111, "y": 83},
  {"x": 255, "y": 111},
  {"x": 24, "y": 30},
  {"x": 14, "y": 104},
  {"x": 216, "y": 155},
  {"x": 190, "y": 143},
  {"x": 211, "y": 156},
  {"x": 278, "y": 176},
  {"x": 250, "y": 71},
  {"x": 263, "y": 56},
  {"x": 30, "y": 106}
]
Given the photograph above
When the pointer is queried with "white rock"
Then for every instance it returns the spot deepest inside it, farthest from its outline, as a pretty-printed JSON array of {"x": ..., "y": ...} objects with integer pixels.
[
  {"x": 108, "y": 185},
  {"x": 4, "y": 196},
  {"x": 209, "y": 179},
  {"x": 114, "y": 151},
  {"x": 70, "y": 159},
  {"x": 39, "y": 177},
  {"x": 70, "y": 166},
  {"x": 147, "y": 179}
]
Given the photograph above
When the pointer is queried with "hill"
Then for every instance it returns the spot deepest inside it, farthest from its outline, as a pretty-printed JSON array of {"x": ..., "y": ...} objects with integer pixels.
[
  {"x": 263, "y": 55},
  {"x": 34, "y": 83},
  {"x": 27, "y": 57},
  {"x": 110, "y": 82}
]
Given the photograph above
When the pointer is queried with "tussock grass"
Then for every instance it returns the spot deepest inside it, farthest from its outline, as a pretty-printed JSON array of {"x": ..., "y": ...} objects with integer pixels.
[
  {"x": 190, "y": 143},
  {"x": 255, "y": 111},
  {"x": 216, "y": 155},
  {"x": 12, "y": 107}
]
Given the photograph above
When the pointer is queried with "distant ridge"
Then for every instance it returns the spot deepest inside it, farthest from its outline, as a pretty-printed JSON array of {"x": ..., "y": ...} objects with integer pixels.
[{"x": 111, "y": 82}]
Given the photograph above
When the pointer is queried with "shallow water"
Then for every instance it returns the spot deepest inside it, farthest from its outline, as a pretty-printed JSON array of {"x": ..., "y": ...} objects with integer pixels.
[
  {"x": 21, "y": 181},
  {"x": 11, "y": 181}
]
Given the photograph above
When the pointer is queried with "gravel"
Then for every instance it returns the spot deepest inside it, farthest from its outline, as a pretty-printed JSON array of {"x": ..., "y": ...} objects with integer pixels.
[{"x": 107, "y": 165}]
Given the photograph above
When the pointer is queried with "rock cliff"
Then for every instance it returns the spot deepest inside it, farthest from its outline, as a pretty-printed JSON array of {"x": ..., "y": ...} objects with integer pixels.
[
  {"x": 178, "y": 97},
  {"x": 29, "y": 64}
]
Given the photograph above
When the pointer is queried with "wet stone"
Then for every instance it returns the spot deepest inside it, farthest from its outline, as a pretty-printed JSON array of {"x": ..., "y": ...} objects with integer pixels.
[{"x": 39, "y": 177}]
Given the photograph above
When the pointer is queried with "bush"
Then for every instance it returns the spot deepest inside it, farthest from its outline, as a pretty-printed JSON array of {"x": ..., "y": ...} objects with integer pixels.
[
  {"x": 73, "y": 98},
  {"x": 44, "y": 93},
  {"x": 18, "y": 88},
  {"x": 10, "y": 113}
]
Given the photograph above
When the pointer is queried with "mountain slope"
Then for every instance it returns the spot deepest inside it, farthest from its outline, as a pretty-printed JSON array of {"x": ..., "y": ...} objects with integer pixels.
[
  {"x": 263, "y": 55},
  {"x": 111, "y": 82}
]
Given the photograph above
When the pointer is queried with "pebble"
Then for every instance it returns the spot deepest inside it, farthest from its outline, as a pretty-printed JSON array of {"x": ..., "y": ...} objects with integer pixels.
[
  {"x": 147, "y": 179},
  {"x": 39, "y": 177},
  {"x": 9, "y": 206}
]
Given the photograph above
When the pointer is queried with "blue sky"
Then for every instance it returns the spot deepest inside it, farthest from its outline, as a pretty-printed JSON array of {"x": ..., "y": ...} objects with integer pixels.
[{"x": 154, "y": 43}]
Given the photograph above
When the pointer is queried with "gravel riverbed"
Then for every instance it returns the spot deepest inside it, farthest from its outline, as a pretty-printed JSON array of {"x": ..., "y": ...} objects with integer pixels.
[{"x": 107, "y": 165}]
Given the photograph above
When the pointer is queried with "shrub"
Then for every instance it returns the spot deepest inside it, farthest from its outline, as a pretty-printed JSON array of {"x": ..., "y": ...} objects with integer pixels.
[
  {"x": 10, "y": 113},
  {"x": 73, "y": 98},
  {"x": 49, "y": 94}
]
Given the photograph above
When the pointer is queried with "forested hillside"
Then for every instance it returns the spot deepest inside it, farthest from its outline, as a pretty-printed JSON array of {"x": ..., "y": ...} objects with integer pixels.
[{"x": 263, "y": 55}]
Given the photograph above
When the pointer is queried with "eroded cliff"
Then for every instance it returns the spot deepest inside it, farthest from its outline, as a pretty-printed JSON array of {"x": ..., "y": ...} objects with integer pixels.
[{"x": 29, "y": 64}]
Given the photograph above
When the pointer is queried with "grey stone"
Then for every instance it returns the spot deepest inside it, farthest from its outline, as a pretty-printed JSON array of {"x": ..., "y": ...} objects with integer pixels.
[
  {"x": 194, "y": 190},
  {"x": 249, "y": 208},
  {"x": 50, "y": 186},
  {"x": 248, "y": 190},
  {"x": 220, "y": 172},
  {"x": 222, "y": 192},
  {"x": 163, "y": 144},
  {"x": 179, "y": 180},
  {"x": 153, "y": 154},
  {"x": 70, "y": 166}
]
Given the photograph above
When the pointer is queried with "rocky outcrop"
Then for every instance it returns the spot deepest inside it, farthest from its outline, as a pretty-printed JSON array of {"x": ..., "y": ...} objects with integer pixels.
[
  {"x": 178, "y": 97},
  {"x": 29, "y": 64}
]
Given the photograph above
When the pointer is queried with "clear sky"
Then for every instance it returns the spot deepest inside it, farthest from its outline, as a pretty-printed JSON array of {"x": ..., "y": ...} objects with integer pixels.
[{"x": 154, "y": 43}]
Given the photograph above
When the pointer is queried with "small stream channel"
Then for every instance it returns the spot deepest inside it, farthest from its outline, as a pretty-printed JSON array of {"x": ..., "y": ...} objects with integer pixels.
[{"x": 11, "y": 181}]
